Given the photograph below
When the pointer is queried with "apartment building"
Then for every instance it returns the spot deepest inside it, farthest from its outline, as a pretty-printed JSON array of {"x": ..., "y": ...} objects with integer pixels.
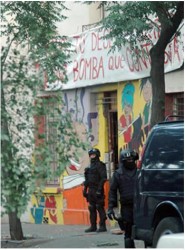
[{"x": 98, "y": 93}]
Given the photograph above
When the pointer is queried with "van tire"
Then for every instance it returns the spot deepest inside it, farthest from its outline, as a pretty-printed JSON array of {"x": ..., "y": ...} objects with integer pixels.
[{"x": 167, "y": 225}]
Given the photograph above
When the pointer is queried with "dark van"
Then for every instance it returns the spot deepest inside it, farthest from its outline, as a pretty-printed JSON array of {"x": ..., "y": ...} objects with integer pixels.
[{"x": 159, "y": 195}]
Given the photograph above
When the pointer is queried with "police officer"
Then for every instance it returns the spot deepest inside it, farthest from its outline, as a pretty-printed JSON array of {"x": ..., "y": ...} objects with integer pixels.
[
  {"x": 95, "y": 177},
  {"x": 123, "y": 180}
]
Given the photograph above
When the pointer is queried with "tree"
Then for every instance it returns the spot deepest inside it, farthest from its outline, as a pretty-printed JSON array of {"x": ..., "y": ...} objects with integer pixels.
[
  {"x": 129, "y": 22},
  {"x": 31, "y": 50}
]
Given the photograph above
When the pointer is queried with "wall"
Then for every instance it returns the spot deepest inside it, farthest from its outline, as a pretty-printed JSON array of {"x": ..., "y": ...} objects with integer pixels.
[
  {"x": 67, "y": 206},
  {"x": 134, "y": 110},
  {"x": 134, "y": 99},
  {"x": 75, "y": 19},
  {"x": 91, "y": 14},
  {"x": 174, "y": 82},
  {"x": 47, "y": 208}
]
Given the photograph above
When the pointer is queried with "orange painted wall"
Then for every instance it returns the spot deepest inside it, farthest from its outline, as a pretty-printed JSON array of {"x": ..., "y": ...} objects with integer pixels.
[{"x": 75, "y": 206}]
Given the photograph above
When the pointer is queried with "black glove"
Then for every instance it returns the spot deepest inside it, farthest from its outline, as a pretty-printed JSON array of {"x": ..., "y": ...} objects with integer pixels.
[
  {"x": 98, "y": 194},
  {"x": 110, "y": 213},
  {"x": 85, "y": 194}
]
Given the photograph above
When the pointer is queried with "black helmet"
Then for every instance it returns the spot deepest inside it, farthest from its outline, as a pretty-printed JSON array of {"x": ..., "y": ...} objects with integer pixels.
[
  {"x": 128, "y": 155},
  {"x": 94, "y": 151}
]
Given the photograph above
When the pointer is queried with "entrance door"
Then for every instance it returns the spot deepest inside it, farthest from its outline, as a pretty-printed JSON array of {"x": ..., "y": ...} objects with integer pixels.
[
  {"x": 110, "y": 108},
  {"x": 113, "y": 138}
]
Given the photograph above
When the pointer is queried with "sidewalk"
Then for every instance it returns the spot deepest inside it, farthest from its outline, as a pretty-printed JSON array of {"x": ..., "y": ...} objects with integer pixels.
[{"x": 62, "y": 236}]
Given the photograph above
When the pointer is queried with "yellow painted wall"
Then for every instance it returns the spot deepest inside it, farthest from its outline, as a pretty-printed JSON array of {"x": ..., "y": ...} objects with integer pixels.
[
  {"x": 138, "y": 107},
  {"x": 49, "y": 207},
  {"x": 137, "y": 111},
  {"x": 102, "y": 144},
  {"x": 141, "y": 110}
]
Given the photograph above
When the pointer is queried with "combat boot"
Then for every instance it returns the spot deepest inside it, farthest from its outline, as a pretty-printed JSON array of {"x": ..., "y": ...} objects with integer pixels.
[
  {"x": 129, "y": 243},
  {"x": 91, "y": 229},
  {"x": 102, "y": 228}
]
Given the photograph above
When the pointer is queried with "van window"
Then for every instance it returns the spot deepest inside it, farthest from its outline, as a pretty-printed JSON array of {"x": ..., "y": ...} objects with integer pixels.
[{"x": 166, "y": 149}]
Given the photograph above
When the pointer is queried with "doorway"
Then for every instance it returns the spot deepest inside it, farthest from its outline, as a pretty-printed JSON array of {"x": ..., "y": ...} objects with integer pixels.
[
  {"x": 113, "y": 138},
  {"x": 110, "y": 112}
]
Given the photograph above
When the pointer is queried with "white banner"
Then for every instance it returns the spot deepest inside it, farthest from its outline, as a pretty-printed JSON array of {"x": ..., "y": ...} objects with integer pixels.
[{"x": 93, "y": 63}]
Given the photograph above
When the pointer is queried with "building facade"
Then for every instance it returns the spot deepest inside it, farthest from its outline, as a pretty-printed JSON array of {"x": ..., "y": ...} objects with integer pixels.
[{"x": 109, "y": 97}]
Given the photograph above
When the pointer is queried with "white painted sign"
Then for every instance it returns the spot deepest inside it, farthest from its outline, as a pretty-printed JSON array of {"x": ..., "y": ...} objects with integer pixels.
[{"x": 93, "y": 63}]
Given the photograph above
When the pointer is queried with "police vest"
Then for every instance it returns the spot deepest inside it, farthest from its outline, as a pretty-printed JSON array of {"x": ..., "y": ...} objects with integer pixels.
[{"x": 126, "y": 184}]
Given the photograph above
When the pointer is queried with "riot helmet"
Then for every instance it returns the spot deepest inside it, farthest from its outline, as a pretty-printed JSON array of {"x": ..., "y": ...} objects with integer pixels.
[
  {"x": 128, "y": 158},
  {"x": 96, "y": 152}
]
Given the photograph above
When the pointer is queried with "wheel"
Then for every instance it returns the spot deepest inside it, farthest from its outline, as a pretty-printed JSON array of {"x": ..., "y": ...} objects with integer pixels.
[{"x": 167, "y": 225}]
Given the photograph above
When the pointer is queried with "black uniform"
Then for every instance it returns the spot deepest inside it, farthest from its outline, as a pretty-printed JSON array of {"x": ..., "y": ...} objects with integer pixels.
[
  {"x": 123, "y": 180},
  {"x": 95, "y": 177}
]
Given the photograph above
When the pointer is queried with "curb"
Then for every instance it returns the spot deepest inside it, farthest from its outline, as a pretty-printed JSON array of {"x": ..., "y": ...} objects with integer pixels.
[{"x": 22, "y": 243}]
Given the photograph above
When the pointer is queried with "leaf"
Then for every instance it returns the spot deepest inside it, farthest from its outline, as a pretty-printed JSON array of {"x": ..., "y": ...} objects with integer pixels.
[{"x": 29, "y": 147}]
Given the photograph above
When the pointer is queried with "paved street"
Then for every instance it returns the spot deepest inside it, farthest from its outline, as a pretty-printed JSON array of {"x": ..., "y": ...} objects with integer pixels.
[{"x": 63, "y": 236}]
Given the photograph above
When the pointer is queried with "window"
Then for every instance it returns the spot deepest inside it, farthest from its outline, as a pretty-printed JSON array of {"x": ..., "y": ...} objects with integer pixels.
[
  {"x": 46, "y": 123},
  {"x": 52, "y": 118},
  {"x": 166, "y": 147},
  {"x": 178, "y": 104}
]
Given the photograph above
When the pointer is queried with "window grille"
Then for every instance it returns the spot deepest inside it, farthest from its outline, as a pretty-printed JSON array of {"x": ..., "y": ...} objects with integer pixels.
[{"x": 51, "y": 120}]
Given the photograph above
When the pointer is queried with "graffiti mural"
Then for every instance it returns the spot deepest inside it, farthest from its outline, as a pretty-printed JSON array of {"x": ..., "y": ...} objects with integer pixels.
[
  {"x": 134, "y": 120},
  {"x": 85, "y": 116},
  {"x": 47, "y": 209},
  {"x": 81, "y": 104},
  {"x": 37, "y": 211},
  {"x": 125, "y": 120},
  {"x": 133, "y": 108},
  {"x": 51, "y": 208},
  {"x": 146, "y": 89}
]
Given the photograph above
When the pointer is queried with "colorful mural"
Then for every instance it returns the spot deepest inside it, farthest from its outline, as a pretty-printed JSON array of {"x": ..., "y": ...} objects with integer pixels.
[
  {"x": 134, "y": 116},
  {"x": 37, "y": 211},
  {"x": 90, "y": 122},
  {"x": 132, "y": 97},
  {"x": 146, "y": 89},
  {"x": 75, "y": 206},
  {"x": 126, "y": 119},
  {"x": 85, "y": 119},
  {"x": 47, "y": 209}
]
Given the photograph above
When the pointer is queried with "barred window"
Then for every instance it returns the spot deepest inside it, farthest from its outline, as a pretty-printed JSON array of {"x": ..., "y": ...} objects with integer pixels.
[
  {"x": 178, "y": 104},
  {"x": 52, "y": 119},
  {"x": 47, "y": 131}
]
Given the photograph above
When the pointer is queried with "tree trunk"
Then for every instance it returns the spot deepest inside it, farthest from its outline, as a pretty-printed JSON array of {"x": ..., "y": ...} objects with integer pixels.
[
  {"x": 168, "y": 29},
  {"x": 16, "y": 232},
  {"x": 158, "y": 85}
]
